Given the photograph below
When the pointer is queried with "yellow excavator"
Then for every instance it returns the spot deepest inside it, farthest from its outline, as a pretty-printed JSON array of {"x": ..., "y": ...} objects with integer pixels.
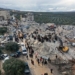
[{"x": 62, "y": 48}]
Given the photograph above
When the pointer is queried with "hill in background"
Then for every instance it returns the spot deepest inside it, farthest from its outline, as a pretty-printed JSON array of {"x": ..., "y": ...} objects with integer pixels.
[{"x": 59, "y": 18}]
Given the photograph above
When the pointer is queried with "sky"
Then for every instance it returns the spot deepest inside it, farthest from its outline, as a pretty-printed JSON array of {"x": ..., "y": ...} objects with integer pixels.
[{"x": 39, "y": 5}]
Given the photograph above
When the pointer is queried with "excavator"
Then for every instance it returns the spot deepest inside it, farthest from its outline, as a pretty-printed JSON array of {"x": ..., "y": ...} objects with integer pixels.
[
  {"x": 65, "y": 48},
  {"x": 61, "y": 47}
]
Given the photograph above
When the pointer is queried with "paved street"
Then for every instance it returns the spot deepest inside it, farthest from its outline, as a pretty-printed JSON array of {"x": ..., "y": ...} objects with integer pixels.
[
  {"x": 38, "y": 69},
  {"x": 35, "y": 69}
]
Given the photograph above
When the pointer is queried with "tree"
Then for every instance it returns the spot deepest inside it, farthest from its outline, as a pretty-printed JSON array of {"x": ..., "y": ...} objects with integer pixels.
[
  {"x": 0, "y": 51},
  {"x": 0, "y": 72},
  {"x": 11, "y": 46},
  {"x": 14, "y": 67},
  {"x": 1, "y": 48},
  {"x": 58, "y": 18},
  {"x": 3, "y": 30}
]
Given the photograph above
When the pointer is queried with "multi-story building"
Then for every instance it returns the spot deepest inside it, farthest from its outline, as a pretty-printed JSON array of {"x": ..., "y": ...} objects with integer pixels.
[
  {"x": 4, "y": 15},
  {"x": 29, "y": 17}
]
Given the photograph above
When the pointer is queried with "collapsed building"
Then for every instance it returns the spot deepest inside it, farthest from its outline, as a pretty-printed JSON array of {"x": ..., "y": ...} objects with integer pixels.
[{"x": 49, "y": 49}]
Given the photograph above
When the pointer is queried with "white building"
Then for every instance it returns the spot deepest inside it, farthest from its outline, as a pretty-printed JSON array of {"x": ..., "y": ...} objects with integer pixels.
[{"x": 13, "y": 17}]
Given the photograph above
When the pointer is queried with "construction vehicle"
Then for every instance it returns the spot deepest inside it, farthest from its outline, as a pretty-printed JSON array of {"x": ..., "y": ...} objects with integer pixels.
[{"x": 61, "y": 47}]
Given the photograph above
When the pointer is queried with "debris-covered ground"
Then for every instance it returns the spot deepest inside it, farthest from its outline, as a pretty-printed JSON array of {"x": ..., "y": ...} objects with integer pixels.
[
  {"x": 49, "y": 41},
  {"x": 49, "y": 48}
]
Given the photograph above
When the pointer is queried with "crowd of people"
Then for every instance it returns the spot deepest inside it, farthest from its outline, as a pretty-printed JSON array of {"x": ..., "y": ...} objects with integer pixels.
[{"x": 47, "y": 37}]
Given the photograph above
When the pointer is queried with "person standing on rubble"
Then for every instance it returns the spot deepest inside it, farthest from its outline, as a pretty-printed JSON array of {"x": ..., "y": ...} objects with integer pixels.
[
  {"x": 49, "y": 60},
  {"x": 56, "y": 56},
  {"x": 36, "y": 56},
  {"x": 32, "y": 62},
  {"x": 27, "y": 56},
  {"x": 56, "y": 59},
  {"x": 42, "y": 62},
  {"x": 51, "y": 70},
  {"x": 38, "y": 61},
  {"x": 45, "y": 62}
]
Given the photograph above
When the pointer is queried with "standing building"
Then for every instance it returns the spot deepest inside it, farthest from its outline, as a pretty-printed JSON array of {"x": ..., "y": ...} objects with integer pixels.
[
  {"x": 29, "y": 17},
  {"x": 4, "y": 15},
  {"x": 13, "y": 17},
  {"x": 22, "y": 18}
]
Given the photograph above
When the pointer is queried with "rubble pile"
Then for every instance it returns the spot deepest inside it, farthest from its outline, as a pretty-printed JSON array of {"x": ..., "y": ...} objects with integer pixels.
[{"x": 49, "y": 48}]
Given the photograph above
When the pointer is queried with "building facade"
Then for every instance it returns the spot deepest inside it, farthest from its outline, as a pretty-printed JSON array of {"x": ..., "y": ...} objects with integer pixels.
[
  {"x": 29, "y": 17},
  {"x": 4, "y": 15}
]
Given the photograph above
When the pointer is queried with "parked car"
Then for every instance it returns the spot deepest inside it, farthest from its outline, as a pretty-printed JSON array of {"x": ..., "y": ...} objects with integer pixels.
[
  {"x": 5, "y": 57},
  {"x": 10, "y": 37},
  {"x": 1, "y": 57},
  {"x": 27, "y": 69},
  {"x": 14, "y": 55},
  {"x": 24, "y": 50},
  {"x": 17, "y": 54},
  {"x": 1, "y": 36}
]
